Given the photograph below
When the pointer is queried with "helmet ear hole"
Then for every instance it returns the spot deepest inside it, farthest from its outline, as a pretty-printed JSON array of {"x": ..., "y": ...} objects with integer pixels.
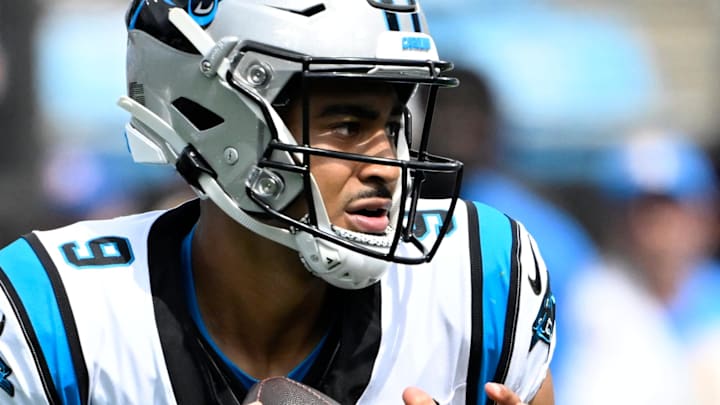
[{"x": 199, "y": 116}]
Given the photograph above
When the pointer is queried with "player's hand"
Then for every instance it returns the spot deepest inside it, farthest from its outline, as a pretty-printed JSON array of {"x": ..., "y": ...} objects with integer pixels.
[
  {"x": 502, "y": 395},
  {"x": 416, "y": 396},
  {"x": 497, "y": 392}
]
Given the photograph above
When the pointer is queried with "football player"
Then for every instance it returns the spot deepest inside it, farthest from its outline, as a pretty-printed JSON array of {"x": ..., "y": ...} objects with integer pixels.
[{"x": 309, "y": 252}]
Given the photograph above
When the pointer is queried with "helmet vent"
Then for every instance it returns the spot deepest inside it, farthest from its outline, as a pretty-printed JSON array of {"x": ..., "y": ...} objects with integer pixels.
[
  {"x": 136, "y": 91},
  {"x": 308, "y": 12},
  {"x": 199, "y": 116}
]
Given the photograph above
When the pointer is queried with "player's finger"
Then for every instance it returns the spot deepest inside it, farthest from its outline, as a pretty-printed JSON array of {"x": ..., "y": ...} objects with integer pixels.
[
  {"x": 502, "y": 394},
  {"x": 416, "y": 396}
]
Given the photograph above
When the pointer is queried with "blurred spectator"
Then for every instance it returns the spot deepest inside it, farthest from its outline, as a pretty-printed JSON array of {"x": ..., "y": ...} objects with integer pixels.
[
  {"x": 465, "y": 127},
  {"x": 637, "y": 316}
]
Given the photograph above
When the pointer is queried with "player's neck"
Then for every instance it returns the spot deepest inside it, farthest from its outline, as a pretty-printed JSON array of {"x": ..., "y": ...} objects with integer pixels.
[{"x": 255, "y": 297}]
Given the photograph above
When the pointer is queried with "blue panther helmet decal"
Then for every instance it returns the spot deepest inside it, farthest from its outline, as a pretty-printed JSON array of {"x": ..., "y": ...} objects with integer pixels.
[{"x": 151, "y": 16}]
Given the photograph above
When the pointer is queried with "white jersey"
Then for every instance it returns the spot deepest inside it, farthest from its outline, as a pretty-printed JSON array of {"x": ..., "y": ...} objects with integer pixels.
[{"x": 96, "y": 313}]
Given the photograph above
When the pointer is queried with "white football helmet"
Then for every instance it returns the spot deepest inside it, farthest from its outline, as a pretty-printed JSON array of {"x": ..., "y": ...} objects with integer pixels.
[{"x": 205, "y": 78}]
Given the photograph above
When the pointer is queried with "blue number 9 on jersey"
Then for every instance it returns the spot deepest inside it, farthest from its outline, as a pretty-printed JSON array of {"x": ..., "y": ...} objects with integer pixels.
[{"x": 99, "y": 252}]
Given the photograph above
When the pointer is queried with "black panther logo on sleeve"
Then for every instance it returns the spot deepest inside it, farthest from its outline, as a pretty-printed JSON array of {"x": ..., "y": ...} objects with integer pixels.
[{"x": 5, "y": 370}]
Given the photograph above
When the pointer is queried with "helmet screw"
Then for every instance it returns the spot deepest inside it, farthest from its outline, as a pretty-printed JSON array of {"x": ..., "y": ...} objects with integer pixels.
[
  {"x": 264, "y": 183},
  {"x": 258, "y": 75},
  {"x": 314, "y": 258},
  {"x": 231, "y": 155},
  {"x": 268, "y": 186},
  {"x": 205, "y": 66}
]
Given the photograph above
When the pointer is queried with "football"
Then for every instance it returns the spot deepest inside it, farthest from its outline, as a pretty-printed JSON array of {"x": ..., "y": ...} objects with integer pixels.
[{"x": 285, "y": 391}]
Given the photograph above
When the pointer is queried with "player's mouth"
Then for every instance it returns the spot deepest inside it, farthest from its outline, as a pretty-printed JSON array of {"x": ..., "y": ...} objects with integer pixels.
[{"x": 368, "y": 216}]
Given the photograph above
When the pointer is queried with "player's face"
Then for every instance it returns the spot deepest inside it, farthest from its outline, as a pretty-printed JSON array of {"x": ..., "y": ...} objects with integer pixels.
[{"x": 359, "y": 118}]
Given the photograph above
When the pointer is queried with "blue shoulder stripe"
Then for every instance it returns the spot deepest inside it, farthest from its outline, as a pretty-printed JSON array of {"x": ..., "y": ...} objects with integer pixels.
[
  {"x": 45, "y": 315},
  {"x": 495, "y": 244},
  {"x": 513, "y": 304},
  {"x": 491, "y": 246}
]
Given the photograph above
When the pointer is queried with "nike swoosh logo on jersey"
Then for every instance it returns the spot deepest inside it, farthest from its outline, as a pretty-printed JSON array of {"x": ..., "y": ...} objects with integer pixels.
[{"x": 535, "y": 282}]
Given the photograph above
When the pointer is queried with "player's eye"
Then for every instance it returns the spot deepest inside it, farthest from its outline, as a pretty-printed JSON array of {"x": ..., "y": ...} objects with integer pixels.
[{"x": 346, "y": 128}]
